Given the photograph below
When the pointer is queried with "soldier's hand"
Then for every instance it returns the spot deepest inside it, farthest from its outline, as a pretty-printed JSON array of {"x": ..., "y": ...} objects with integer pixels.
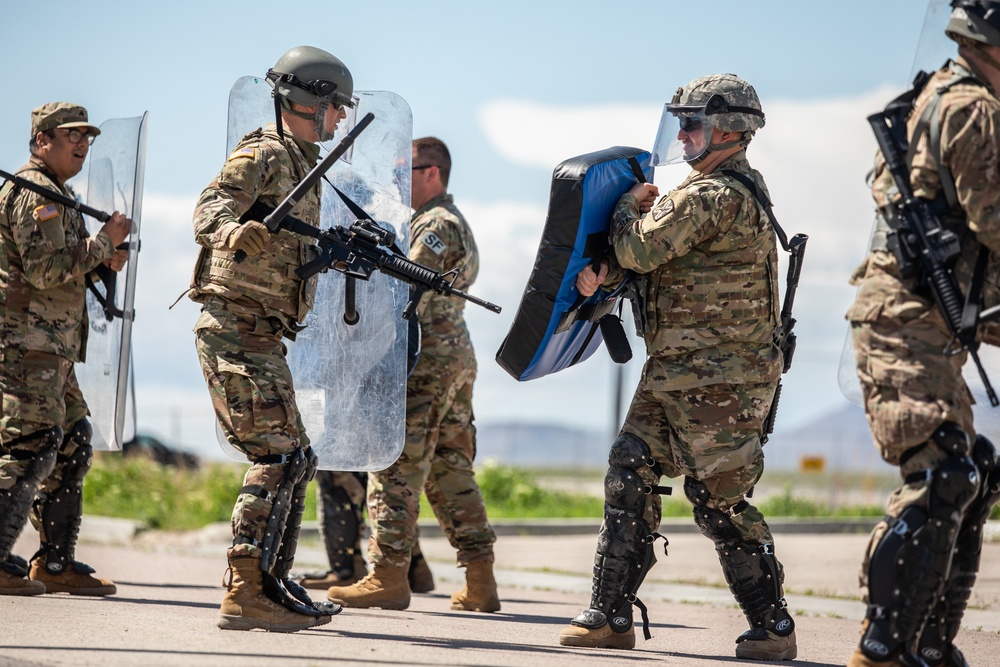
[
  {"x": 251, "y": 237},
  {"x": 587, "y": 281},
  {"x": 117, "y": 228},
  {"x": 646, "y": 193},
  {"x": 117, "y": 261}
]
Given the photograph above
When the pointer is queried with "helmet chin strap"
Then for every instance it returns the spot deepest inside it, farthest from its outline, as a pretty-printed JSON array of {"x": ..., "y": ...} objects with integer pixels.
[
  {"x": 282, "y": 105},
  {"x": 319, "y": 118}
]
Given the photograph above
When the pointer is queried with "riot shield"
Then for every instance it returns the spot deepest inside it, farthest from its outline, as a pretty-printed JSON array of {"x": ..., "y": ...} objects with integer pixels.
[
  {"x": 934, "y": 47},
  {"x": 350, "y": 379},
  {"x": 112, "y": 180}
]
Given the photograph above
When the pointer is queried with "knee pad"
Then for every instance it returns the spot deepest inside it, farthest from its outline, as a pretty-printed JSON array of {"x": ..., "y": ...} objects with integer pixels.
[
  {"x": 910, "y": 564},
  {"x": 950, "y": 437}
]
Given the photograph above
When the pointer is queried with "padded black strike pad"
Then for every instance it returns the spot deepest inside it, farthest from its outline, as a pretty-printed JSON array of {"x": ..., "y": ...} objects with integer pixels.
[{"x": 555, "y": 328}]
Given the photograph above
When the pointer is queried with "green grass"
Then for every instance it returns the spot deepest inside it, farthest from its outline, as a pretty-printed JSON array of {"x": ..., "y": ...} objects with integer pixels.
[{"x": 168, "y": 498}]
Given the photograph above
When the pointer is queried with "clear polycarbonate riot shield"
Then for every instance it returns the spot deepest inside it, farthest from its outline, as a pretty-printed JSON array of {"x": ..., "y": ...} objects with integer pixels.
[
  {"x": 934, "y": 47},
  {"x": 350, "y": 379},
  {"x": 112, "y": 180}
]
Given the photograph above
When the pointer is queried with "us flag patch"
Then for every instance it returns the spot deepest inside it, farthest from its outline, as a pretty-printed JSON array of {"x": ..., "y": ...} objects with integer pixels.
[
  {"x": 246, "y": 151},
  {"x": 43, "y": 213}
]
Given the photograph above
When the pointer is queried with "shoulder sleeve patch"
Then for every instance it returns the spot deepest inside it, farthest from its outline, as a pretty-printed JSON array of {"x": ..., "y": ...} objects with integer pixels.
[
  {"x": 434, "y": 242},
  {"x": 663, "y": 208},
  {"x": 245, "y": 151},
  {"x": 47, "y": 212}
]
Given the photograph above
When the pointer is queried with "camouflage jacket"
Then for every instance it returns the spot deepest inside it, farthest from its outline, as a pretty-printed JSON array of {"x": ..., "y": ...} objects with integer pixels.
[
  {"x": 47, "y": 253},
  {"x": 442, "y": 240},
  {"x": 969, "y": 120},
  {"x": 710, "y": 260},
  {"x": 262, "y": 168}
]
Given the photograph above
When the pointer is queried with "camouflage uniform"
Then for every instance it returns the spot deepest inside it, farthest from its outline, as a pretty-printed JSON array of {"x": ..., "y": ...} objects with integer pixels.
[
  {"x": 247, "y": 308},
  {"x": 440, "y": 436},
  {"x": 712, "y": 370},
  {"x": 46, "y": 254},
  {"x": 910, "y": 387}
]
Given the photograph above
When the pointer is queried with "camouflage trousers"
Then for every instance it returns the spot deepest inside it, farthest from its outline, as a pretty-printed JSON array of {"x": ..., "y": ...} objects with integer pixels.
[
  {"x": 712, "y": 434},
  {"x": 437, "y": 459},
  {"x": 40, "y": 391},
  {"x": 909, "y": 387},
  {"x": 243, "y": 359}
]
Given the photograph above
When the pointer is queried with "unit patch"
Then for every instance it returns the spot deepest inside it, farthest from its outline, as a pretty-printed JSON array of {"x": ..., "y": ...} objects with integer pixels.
[
  {"x": 432, "y": 241},
  {"x": 663, "y": 208}
]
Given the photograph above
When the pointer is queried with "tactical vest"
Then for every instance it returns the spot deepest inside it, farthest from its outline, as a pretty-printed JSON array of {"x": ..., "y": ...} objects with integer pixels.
[
  {"x": 715, "y": 287},
  {"x": 269, "y": 277}
]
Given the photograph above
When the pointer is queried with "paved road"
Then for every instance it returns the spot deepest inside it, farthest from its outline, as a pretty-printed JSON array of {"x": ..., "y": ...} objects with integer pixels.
[{"x": 169, "y": 592}]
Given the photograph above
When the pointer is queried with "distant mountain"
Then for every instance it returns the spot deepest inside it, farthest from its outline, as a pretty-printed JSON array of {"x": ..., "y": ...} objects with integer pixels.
[{"x": 841, "y": 438}]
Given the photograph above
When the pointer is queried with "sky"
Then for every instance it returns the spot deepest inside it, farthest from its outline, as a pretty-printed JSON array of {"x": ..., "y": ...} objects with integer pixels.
[{"x": 513, "y": 88}]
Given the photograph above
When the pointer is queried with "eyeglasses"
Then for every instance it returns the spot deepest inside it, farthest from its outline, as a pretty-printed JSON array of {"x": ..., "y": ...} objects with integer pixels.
[
  {"x": 689, "y": 124},
  {"x": 423, "y": 166},
  {"x": 76, "y": 136}
]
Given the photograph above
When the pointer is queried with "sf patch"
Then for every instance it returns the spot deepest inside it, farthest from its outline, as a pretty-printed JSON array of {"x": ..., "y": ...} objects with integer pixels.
[
  {"x": 432, "y": 241},
  {"x": 663, "y": 208},
  {"x": 47, "y": 212}
]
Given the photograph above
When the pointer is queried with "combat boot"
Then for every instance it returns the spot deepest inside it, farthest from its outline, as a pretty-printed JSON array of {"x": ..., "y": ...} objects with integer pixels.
[
  {"x": 420, "y": 576},
  {"x": 601, "y": 637},
  {"x": 14, "y": 581},
  {"x": 324, "y": 580},
  {"x": 480, "y": 590},
  {"x": 75, "y": 578},
  {"x": 859, "y": 659},
  {"x": 760, "y": 644},
  {"x": 245, "y": 607},
  {"x": 385, "y": 587}
]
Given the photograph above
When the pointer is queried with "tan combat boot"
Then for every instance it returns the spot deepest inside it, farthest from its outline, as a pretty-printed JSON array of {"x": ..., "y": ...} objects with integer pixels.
[
  {"x": 14, "y": 581},
  {"x": 420, "y": 576},
  {"x": 480, "y": 590},
  {"x": 771, "y": 647},
  {"x": 245, "y": 607},
  {"x": 323, "y": 580},
  {"x": 602, "y": 637},
  {"x": 385, "y": 587},
  {"x": 75, "y": 579}
]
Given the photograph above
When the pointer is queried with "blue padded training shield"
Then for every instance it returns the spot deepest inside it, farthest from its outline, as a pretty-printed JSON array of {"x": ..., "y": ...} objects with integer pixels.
[{"x": 555, "y": 327}]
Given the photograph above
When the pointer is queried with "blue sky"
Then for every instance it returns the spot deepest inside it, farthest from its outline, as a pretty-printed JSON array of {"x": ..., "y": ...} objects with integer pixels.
[{"x": 513, "y": 88}]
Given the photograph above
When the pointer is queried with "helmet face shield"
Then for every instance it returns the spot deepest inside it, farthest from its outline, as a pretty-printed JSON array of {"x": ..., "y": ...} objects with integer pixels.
[{"x": 684, "y": 134}]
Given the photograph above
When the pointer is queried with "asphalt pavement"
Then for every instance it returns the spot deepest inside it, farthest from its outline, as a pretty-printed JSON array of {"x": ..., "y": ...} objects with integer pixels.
[{"x": 169, "y": 589}]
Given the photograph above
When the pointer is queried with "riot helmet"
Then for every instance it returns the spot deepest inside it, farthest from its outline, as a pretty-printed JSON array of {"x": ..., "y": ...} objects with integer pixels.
[
  {"x": 975, "y": 20},
  {"x": 311, "y": 77},
  {"x": 722, "y": 101}
]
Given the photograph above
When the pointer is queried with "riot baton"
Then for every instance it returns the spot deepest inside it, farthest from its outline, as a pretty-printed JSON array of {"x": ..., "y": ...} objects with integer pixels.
[
  {"x": 274, "y": 220},
  {"x": 57, "y": 197}
]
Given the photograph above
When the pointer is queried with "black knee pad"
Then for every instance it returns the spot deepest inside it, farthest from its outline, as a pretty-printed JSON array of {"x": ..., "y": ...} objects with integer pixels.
[{"x": 950, "y": 437}]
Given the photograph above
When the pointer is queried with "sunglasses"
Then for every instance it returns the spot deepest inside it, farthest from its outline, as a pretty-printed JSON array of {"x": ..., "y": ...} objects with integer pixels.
[{"x": 689, "y": 124}]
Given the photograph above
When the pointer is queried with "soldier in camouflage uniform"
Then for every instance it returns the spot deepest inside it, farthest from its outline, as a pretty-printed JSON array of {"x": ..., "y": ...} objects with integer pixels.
[
  {"x": 440, "y": 436},
  {"x": 918, "y": 406},
  {"x": 340, "y": 500},
  {"x": 45, "y": 449},
  {"x": 247, "y": 308},
  {"x": 707, "y": 255}
]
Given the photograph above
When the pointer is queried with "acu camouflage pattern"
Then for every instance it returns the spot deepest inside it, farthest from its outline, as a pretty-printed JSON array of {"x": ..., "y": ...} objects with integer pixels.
[
  {"x": 440, "y": 441},
  {"x": 710, "y": 258},
  {"x": 909, "y": 385},
  {"x": 247, "y": 308},
  {"x": 266, "y": 168}
]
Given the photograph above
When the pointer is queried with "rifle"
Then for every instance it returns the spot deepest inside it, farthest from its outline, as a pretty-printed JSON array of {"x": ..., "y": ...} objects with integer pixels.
[
  {"x": 922, "y": 237},
  {"x": 107, "y": 276}
]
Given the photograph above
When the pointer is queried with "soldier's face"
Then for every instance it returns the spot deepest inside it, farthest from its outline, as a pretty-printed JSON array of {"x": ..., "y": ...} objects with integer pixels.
[{"x": 64, "y": 157}]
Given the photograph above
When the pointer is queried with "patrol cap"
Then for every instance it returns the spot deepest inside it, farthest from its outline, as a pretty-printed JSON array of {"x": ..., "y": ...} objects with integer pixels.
[{"x": 60, "y": 114}]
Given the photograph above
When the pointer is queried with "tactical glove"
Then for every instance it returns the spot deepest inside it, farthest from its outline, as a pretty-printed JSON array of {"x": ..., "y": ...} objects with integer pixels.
[{"x": 250, "y": 237}]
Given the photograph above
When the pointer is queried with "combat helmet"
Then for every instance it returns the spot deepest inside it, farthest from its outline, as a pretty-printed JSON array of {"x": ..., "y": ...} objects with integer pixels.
[
  {"x": 722, "y": 101},
  {"x": 310, "y": 76},
  {"x": 976, "y": 20}
]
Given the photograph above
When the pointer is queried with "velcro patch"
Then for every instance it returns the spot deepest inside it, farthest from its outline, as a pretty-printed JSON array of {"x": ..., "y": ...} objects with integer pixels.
[
  {"x": 246, "y": 151},
  {"x": 663, "y": 208},
  {"x": 47, "y": 212},
  {"x": 432, "y": 241}
]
